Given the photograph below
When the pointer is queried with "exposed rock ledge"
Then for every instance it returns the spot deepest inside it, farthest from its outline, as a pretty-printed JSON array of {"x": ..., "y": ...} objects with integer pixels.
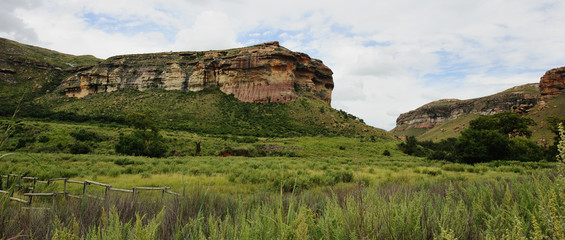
[
  {"x": 552, "y": 83},
  {"x": 260, "y": 73},
  {"x": 519, "y": 99}
]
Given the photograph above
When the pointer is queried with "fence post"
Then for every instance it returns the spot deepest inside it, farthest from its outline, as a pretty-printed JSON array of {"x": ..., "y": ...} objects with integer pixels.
[
  {"x": 20, "y": 181},
  {"x": 54, "y": 200},
  {"x": 84, "y": 188},
  {"x": 8, "y": 181},
  {"x": 134, "y": 193},
  {"x": 106, "y": 192}
]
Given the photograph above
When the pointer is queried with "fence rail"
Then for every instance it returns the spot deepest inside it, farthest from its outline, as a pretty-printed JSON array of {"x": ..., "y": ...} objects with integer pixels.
[{"x": 18, "y": 180}]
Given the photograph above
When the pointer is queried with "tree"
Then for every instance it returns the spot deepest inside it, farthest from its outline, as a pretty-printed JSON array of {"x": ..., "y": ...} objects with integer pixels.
[
  {"x": 141, "y": 121},
  {"x": 475, "y": 146},
  {"x": 508, "y": 123},
  {"x": 142, "y": 142}
]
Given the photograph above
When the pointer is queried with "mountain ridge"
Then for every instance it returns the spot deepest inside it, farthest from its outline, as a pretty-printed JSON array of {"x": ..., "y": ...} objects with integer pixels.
[
  {"x": 447, "y": 117},
  {"x": 260, "y": 73},
  {"x": 37, "y": 90}
]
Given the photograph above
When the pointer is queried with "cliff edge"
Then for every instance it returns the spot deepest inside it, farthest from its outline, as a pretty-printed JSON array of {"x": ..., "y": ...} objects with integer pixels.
[
  {"x": 262, "y": 73},
  {"x": 452, "y": 115}
]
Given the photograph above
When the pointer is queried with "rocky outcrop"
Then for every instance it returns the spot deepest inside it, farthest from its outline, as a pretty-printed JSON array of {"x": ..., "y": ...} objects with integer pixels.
[
  {"x": 552, "y": 83},
  {"x": 519, "y": 99},
  {"x": 261, "y": 73}
]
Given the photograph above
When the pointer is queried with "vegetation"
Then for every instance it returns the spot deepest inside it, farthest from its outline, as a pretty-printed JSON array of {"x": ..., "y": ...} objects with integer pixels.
[
  {"x": 541, "y": 132},
  {"x": 144, "y": 141},
  {"x": 301, "y": 170},
  {"x": 503, "y": 136},
  {"x": 335, "y": 188},
  {"x": 511, "y": 207}
]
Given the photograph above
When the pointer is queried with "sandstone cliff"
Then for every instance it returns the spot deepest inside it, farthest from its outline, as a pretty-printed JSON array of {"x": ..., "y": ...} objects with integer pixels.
[
  {"x": 552, "y": 83},
  {"x": 520, "y": 99},
  {"x": 523, "y": 99},
  {"x": 261, "y": 73}
]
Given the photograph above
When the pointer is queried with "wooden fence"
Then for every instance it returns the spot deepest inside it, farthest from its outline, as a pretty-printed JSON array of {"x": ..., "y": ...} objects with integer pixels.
[{"x": 19, "y": 181}]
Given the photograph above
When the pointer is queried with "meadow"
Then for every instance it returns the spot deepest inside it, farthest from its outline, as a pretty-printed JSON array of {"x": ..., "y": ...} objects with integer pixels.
[{"x": 245, "y": 187}]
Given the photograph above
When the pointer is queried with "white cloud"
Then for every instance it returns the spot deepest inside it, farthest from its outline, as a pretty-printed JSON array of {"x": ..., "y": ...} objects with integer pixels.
[
  {"x": 211, "y": 30},
  {"x": 388, "y": 57},
  {"x": 13, "y": 26}
]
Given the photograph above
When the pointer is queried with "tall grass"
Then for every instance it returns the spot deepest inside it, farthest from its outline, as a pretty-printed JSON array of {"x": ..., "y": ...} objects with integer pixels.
[{"x": 483, "y": 208}]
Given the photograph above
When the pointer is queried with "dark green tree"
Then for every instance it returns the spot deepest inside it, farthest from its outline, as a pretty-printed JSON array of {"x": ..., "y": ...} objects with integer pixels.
[
  {"x": 144, "y": 141},
  {"x": 475, "y": 146},
  {"x": 510, "y": 124}
]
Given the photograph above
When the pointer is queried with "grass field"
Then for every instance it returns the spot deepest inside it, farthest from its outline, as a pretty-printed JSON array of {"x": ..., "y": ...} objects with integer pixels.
[
  {"x": 270, "y": 187},
  {"x": 394, "y": 199},
  {"x": 291, "y": 188}
]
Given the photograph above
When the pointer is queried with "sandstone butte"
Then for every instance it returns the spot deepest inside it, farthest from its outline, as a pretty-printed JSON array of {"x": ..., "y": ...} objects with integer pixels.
[
  {"x": 262, "y": 73},
  {"x": 519, "y": 99}
]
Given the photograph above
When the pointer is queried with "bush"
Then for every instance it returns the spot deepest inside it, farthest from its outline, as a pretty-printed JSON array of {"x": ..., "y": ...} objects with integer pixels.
[
  {"x": 386, "y": 152},
  {"x": 123, "y": 162},
  {"x": 79, "y": 148},
  {"x": 525, "y": 150},
  {"x": 332, "y": 178},
  {"x": 43, "y": 139},
  {"x": 84, "y": 135},
  {"x": 474, "y": 146},
  {"x": 142, "y": 143}
]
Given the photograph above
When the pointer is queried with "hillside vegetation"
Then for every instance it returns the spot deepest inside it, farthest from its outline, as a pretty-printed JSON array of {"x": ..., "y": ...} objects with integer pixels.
[
  {"x": 27, "y": 72},
  {"x": 239, "y": 170},
  {"x": 473, "y": 108},
  {"x": 31, "y": 76}
]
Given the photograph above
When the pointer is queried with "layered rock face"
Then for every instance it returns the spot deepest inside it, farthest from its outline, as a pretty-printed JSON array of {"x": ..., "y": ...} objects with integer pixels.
[
  {"x": 552, "y": 83},
  {"x": 261, "y": 73},
  {"x": 520, "y": 99}
]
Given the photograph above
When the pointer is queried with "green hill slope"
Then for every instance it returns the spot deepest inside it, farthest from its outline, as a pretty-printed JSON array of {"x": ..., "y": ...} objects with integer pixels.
[
  {"x": 32, "y": 75},
  {"x": 28, "y": 71},
  {"x": 211, "y": 112},
  {"x": 512, "y": 99}
]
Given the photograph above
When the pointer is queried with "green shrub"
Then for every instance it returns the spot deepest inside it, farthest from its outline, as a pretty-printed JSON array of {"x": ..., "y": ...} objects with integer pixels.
[
  {"x": 142, "y": 143},
  {"x": 84, "y": 135},
  {"x": 22, "y": 142},
  {"x": 332, "y": 178},
  {"x": 123, "y": 162},
  {"x": 79, "y": 148},
  {"x": 43, "y": 139},
  {"x": 475, "y": 146}
]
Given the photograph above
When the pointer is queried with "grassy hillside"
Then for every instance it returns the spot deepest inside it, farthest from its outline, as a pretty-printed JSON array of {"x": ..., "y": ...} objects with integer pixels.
[
  {"x": 31, "y": 76},
  {"x": 554, "y": 108},
  {"x": 211, "y": 112},
  {"x": 452, "y": 128},
  {"x": 27, "y": 72}
]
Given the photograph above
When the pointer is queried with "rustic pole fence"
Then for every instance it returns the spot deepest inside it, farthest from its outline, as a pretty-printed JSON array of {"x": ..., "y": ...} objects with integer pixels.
[{"x": 107, "y": 189}]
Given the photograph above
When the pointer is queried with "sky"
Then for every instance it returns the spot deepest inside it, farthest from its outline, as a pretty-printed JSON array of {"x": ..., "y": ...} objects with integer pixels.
[{"x": 388, "y": 57}]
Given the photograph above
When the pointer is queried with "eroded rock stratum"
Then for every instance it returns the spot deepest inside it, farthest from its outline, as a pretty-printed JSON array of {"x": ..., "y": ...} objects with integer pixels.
[{"x": 260, "y": 73}]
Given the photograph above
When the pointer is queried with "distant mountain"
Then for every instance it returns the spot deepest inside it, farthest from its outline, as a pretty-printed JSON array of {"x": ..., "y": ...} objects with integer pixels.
[
  {"x": 262, "y": 90},
  {"x": 446, "y": 118}
]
